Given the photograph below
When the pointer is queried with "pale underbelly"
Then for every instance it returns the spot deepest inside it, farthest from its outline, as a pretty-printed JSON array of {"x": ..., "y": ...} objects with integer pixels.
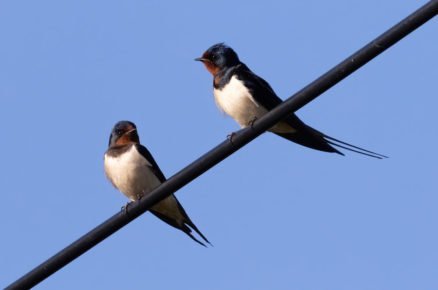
[{"x": 244, "y": 111}]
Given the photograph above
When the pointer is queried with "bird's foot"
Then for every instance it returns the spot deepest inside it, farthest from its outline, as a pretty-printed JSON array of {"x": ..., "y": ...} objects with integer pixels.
[
  {"x": 230, "y": 137},
  {"x": 125, "y": 207},
  {"x": 252, "y": 121}
]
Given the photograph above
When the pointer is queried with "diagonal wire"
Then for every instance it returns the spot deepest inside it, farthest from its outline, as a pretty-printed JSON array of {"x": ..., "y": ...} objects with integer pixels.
[{"x": 226, "y": 148}]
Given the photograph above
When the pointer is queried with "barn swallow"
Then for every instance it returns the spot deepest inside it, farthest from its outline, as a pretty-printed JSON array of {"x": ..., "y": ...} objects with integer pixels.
[
  {"x": 133, "y": 171},
  {"x": 245, "y": 97}
]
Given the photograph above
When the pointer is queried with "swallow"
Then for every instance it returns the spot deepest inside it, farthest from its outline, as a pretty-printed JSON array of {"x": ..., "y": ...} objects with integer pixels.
[
  {"x": 133, "y": 171},
  {"x": 246, "y": 97}
]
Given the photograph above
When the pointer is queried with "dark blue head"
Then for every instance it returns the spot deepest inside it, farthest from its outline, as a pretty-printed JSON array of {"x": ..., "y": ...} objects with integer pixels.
[
  {"x": 218, "y": 57},
  {"x": 124, "y": 132}
]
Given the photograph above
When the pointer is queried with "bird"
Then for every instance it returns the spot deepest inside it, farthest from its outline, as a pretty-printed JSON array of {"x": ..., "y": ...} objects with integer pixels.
[
  {"x": 246, "y": 97},
  {"x": 131, "y": 169}
]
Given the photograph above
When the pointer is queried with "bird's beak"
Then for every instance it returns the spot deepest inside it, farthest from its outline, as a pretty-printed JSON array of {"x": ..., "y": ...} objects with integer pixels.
[
  {"x": 202, "y": 59},
  {"x": 132, "y": 130}
]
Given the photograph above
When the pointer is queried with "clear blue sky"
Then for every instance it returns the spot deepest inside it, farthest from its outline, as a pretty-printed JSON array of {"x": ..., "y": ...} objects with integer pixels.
[{"x": 280, "y": 216}]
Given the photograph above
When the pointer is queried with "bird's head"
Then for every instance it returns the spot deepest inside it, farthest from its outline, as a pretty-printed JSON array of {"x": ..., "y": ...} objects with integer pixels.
[
  {"x": 124, "y": 132},
  {"x": 218, "y": 57}
]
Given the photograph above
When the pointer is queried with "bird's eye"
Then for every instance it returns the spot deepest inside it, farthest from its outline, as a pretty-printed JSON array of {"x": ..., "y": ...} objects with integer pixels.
[{"x": 119, "y": 132}]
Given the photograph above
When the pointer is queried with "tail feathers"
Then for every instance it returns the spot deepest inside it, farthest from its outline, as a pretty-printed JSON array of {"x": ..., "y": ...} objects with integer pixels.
[
  {"x": 353, "y": 148},
  {"x": 309, "y": 139},
  {"x": 188, "y": 231},
  {"x": 314, "y": 139},
  {"x": 186, "y": 225}
]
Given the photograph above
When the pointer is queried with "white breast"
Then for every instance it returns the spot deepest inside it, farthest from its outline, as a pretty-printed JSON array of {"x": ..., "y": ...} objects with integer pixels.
[
  {"x": 131, "y": 173},
  {"x": 236, "y": 101}
]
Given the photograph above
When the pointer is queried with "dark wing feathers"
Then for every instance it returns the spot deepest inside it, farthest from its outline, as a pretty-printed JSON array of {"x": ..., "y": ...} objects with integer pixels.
[
  {"x": 305, "y": 135},
  {"x": 182, "y": 227},
  {"x": 155, "y": 168},
  {"x": 187, "y": 221},
  {"x": 260, "y": 89},
  {"x": 263, "y": 94}
]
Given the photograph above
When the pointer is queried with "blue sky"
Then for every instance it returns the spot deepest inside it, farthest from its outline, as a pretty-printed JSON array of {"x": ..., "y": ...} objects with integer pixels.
[{"x": 280, "y": 216}]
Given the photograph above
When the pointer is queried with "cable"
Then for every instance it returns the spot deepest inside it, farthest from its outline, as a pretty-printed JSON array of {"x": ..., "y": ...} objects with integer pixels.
[{"x": 226, "y": 148}]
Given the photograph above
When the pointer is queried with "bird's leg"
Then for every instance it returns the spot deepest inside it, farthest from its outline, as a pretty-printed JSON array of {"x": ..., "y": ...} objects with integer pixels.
[
  {"x": 230, "y": 137},
  {"x": 252, "y": 121}
]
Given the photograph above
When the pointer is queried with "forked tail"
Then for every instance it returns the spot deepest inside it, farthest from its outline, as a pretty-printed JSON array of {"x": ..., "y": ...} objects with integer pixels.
[
  {"x": 353, "y": 148},
  {"x": 312, "y": 138}
]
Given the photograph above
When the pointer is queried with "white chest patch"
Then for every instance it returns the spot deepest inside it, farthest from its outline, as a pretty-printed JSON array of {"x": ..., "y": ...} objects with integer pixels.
[
  {"x": 131, "y": 173},
  {"x": 236, "y": 101}
]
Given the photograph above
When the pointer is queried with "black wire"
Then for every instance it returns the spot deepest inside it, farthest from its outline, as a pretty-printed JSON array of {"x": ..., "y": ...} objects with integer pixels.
[{"x": 227, "y": 148}]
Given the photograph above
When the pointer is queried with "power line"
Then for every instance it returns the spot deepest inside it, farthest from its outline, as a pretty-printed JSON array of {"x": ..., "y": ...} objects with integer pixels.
[{"x": 226, "y": 148}]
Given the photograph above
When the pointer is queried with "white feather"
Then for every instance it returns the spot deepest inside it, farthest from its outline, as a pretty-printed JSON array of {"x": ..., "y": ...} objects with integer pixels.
[
  {"x": 236, "y": 101},
  {"x": 131, "y": 173}
]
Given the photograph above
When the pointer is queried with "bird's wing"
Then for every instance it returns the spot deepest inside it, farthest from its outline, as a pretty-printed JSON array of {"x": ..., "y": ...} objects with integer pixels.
[
  {"x": 184, "y": 223},
  {"x": 154, "y": 166},
  {"x": 260, "y": 89},
  {"x": 264, "y": 95},
  {"x": 179, "y": 219},
  {"x": 305, "y": 135}
]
